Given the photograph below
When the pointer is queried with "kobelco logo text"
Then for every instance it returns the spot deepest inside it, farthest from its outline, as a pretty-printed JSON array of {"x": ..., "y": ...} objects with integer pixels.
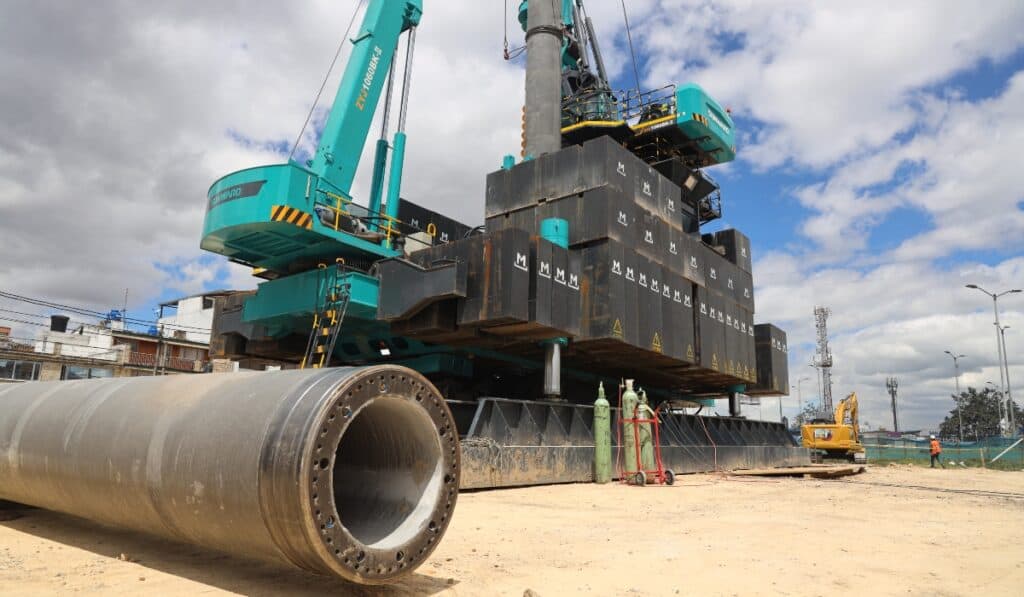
[{"x": 371, "y": 70}]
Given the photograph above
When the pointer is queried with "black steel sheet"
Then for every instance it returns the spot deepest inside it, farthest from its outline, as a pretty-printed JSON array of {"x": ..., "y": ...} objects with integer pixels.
[
  {"x": 596, "y": 215},
  {"x": 747, "y": 338},
  {"x": 541, "y": 292},
  {"x": 715, "y": 267},
  {"x": 650, "y": 233},
  {"x": 743, "y": 288},
  {"x": 560, "y": 293},
  {"x": 649, "y": 284},
  {"x": 670, "y": 202},
  {"x": 772, "y": 355},
  {"x": 610, "y": 294},
  {"x": 710, "y": 323},
  {"x": 497, "y": 193},
  {"x": 693, "y": 253},
  {"x": 682, "y": 299},
  {"x": 559, "y": 174},
  {"x": 416, "y": 218},
  {"x": 631, "y": 292},
  {"x": 606, "y": 163},
  {"x": 677, "y": 317},
  {"x": 523, "y": 219},
  {"x": 575, "y": 285},
  {"x": 672, "y": 250},
  {"x": 737, "y": 248},
  {"x": 645, "y": 193},
  {"x": 508, "y": 277},
  {"x": 522, "y": 186},
  {"x": 733, "y": 282}
]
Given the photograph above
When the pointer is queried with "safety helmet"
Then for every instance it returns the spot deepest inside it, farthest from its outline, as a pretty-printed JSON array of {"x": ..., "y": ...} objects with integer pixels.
[{"x": 931, "y": 437}]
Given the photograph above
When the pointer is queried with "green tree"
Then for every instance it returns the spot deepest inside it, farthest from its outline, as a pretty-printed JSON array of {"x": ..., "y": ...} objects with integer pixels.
[
  {"x": 979, "y": 412},
  {"x": 808, "y": 414}
]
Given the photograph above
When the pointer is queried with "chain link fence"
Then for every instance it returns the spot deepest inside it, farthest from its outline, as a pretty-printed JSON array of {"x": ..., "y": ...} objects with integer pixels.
[{"x": 993, "y": 452}]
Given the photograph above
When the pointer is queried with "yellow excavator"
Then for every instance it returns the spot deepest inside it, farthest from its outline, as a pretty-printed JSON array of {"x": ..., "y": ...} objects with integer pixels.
[{"x": 838, "y": 438}]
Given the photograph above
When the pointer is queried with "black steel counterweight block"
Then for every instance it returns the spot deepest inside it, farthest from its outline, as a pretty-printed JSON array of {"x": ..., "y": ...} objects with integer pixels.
[
  {"x": 737, "y": 248},
  {"x": 772, "y": 355}
]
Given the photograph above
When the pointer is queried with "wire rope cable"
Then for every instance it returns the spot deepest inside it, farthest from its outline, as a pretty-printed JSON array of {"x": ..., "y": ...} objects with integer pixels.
[
  {"x": 632, "y": 53},
  {"x": 327, "y": 76}
]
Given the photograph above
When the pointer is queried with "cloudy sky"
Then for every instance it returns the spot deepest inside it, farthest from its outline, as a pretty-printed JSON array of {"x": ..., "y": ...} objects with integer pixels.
[{"x": 879, "y": 163}]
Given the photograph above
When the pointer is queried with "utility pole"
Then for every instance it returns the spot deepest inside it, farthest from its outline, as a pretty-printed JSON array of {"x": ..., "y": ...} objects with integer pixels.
[
  {"x": 823, "y": 359},
  {"x": 159, "y": 343},
  {"x": 892, "y": 384},
  {"x": 956, "y": 369},
  {"x": 1003, "y": 383}
]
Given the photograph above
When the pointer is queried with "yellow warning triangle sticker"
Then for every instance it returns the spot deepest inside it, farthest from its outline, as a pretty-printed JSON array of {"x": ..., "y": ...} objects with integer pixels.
[
  {"x": 714, "y": 361},
  {"x": 617, "y": 329},
  {"x": 689, "y": 351},
  {"x": 656, "y": 343}
]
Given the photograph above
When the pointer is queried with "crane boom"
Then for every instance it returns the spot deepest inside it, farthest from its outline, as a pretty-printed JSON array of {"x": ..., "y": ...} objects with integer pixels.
[
  {"x": 348, "y": 125},
  {"x": 287, "y": 218}
]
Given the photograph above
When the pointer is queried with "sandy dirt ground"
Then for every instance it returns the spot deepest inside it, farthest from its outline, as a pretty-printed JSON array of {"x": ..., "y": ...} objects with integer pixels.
[{"x": 890, "y": 531}]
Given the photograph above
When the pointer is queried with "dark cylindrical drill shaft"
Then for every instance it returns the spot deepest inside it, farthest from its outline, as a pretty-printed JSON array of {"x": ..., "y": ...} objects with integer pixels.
[{"x": 348, "y": 471}]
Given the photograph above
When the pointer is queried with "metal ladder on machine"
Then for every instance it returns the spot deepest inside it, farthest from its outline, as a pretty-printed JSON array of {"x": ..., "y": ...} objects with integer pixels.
[{"x": 331, "y": 306}]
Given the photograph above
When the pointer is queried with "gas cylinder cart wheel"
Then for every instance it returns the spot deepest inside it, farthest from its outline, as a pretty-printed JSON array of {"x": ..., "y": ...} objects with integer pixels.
[
  {"x": 670, "y": 477},
  {"x": 639, "y": 478}
]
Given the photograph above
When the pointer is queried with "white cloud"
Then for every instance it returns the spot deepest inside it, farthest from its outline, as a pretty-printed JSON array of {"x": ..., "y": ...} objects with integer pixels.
[
  {"x": 117, "y": 126},
  {"x": 826, "y": 79}
]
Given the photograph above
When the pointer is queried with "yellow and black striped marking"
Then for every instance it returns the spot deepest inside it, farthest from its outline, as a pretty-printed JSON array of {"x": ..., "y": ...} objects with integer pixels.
[
  {"x": 700, "y": 118},
  {"x": 283, "y": 213}
]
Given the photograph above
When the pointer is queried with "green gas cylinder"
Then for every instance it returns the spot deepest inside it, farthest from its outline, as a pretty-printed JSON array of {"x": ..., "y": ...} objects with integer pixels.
[
  {"x": 643, "y": 411},
  {"x": 629, "y": 402},
  {"x": 602, "y": 438}
]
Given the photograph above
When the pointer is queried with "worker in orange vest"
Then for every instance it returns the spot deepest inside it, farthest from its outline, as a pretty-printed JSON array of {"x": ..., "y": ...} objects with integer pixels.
[{"x": 936, "y": 450}]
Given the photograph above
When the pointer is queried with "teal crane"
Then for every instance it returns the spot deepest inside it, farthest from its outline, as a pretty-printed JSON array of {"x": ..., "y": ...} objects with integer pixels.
[{"x": 286, "y": 220}]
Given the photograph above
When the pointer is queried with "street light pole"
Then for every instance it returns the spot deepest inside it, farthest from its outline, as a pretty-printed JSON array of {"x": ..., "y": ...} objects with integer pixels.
[
  {"x": 999, "y": 404},
  {"x": 959, "y": 408},
  {"x": 999, "y": 342},
  {"x": 1009, "y": 396},
  {"x": 799, "y": 395}
]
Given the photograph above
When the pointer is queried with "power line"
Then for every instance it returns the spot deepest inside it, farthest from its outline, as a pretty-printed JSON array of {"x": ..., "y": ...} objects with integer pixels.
[
  {"x": 14, "y": 320},
  {"x": 98, "y": 314},
  {"x": 101, "y": 350}
]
